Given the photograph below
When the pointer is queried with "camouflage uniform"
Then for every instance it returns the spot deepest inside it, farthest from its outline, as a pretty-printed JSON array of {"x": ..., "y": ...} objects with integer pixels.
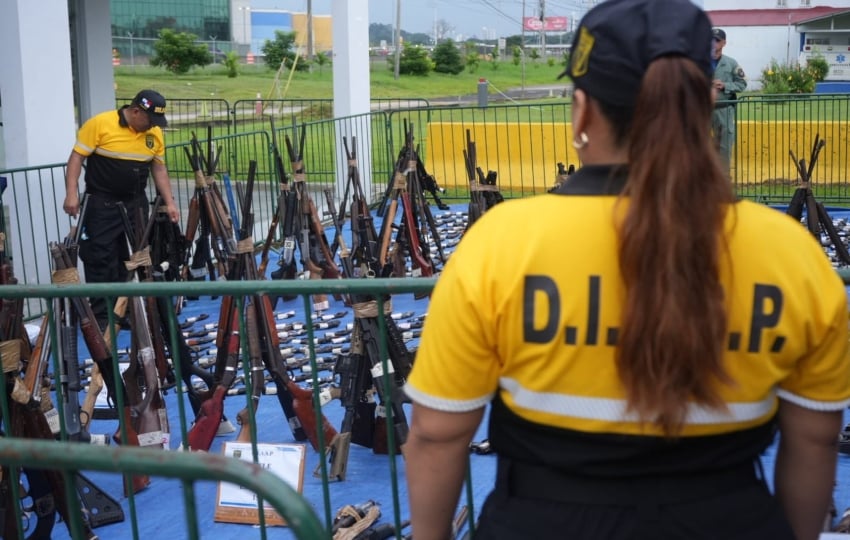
[{"x": 723, "y": 119}]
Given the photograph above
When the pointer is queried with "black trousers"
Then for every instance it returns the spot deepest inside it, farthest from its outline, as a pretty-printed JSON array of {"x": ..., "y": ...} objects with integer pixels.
[
  {"x": 103, "y": 242},
  {"x": 639, "y": 510}
]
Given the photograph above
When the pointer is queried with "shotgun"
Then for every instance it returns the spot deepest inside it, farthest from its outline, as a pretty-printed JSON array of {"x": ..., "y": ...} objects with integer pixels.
[
  {"x": 256, "y": 372},
  {"x": 96, "y": 344},
  {"x": 311, "y": 260},
  {"x": 208, "y": 418},
  {"x": 279, "y": 217},
  {"x": 34, "y": 376}
]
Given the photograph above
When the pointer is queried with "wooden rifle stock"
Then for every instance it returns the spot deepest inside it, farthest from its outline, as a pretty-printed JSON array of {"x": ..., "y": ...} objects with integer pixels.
[
  {"x": 421, "y": 265},
  {"x": 96, "y": 378},
  {"x": 151, "y": 428},
  {"x": 256, "y": 374},
  {"x": 264, "y": 256},
  {"x": 387, "y": 230},
  {"x": 296, "y": 402},
  {"x": 103, "y": 358},
  {"x": 203, "y": 431},
  {"x": 38, "y": 361}
]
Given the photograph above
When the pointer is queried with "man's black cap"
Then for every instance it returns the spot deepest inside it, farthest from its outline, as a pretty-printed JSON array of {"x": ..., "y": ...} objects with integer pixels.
[
  {"x": 153, "y": 103},
  {"x": 616, "y": 41},
  {"x": 718, "y": 34}
]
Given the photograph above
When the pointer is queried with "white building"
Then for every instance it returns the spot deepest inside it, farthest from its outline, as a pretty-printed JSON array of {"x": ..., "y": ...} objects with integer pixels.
[{"x": 787, "y": 31}]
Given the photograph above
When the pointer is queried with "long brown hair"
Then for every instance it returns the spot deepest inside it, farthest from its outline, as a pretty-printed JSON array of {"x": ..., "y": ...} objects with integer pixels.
[{"x": 673, "y": 332}]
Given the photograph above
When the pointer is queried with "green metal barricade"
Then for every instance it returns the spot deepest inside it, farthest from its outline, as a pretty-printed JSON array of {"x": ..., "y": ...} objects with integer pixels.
[{"x": 192, "y": 467}]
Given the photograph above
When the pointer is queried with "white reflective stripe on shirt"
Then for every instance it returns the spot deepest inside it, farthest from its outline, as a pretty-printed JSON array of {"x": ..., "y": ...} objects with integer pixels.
[
  {"x": 442, "y": 404},
  {"x": 85, "y": 147},
  {"x": 614, "y": 410},
  {"x": 807, "y": 403},
  {"x": 124, "y": 155}
]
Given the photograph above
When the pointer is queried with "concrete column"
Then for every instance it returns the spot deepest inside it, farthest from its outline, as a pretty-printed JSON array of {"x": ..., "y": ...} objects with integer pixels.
[
  {"x": 36, "y": 85},
  {"x": 351, "y": 86},
  {"x": 93, "y": 43},
  {"x": 36, "y": 89}
]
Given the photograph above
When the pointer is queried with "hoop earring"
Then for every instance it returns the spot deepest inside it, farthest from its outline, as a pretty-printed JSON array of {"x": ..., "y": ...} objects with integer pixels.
[{"x": 578, "y": 145}]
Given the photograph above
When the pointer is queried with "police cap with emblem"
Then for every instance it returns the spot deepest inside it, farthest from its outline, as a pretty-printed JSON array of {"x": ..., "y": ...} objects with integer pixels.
[
  {"x": 153, "y": 103},
  {"x": 616, "y": 41}
]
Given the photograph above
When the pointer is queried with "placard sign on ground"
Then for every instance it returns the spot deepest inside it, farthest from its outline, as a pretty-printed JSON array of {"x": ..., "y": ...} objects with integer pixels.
[{"x": 235, "y": 504}]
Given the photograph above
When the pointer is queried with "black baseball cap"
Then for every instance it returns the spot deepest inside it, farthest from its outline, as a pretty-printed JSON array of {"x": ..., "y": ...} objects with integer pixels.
[
  {"x": 616, "y": 41},
  {"x": 153, "y": 103},
  {"x": 718, "y": 34}
]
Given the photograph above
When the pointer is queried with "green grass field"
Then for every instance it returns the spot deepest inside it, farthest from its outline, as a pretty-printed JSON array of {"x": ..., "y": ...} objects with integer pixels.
[{"x": 213, "y": 82}]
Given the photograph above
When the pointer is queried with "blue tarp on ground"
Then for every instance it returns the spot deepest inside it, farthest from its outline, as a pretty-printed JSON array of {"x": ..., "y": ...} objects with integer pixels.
[{"x": 161, "y": 509}]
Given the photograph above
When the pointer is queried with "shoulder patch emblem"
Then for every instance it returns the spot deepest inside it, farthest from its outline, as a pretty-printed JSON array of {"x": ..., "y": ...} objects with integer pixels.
[
  {"x": 740, "y": 72},
  {"x": 581, "y": 56},
  {"x": 149, "y": 141}
]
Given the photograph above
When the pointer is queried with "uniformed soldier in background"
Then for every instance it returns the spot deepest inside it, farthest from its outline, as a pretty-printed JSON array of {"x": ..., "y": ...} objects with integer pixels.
[{"x": 729, "y": 79}]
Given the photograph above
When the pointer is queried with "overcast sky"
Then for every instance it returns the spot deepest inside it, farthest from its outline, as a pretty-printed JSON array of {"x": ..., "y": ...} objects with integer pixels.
[{"x": 495, "y": 18}]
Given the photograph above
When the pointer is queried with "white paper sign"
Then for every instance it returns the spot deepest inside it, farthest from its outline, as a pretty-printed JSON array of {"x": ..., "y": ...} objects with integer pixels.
[{"x": 284, "y": 460}]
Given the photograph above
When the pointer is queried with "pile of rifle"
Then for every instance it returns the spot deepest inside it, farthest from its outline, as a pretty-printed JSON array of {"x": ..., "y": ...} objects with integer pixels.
[
  {"x": 260, "y": 345},
  {"x": 208, "y": 219},
  {"x": 563, "y": 174},
  {"x": 817, "y": 217},
  {"x": 32, "y": 414},
  {"x": 417, "y": 227},
  {"x": 372, "y": 374},
  {"x": 298, "y": 216},
  {"x": 483, "y": 190}
]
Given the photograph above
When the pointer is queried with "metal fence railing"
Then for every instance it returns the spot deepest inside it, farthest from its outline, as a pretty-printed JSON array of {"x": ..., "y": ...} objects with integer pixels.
[
  {"x": 522, "y": 143},
  {"x": 19, "y": 456},
  {"x": 192, "y": 468}
]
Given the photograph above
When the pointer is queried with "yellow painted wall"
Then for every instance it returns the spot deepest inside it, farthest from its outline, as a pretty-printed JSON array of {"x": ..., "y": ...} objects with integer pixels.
[
  {"x": 762, "y": 150},
  {"x": 526, "y": 154},
  {"x": 322, "y": 32}
]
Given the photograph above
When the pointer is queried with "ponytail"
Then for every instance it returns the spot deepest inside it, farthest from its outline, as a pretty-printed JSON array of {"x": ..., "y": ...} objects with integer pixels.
[{"x": 674, "y": 328}]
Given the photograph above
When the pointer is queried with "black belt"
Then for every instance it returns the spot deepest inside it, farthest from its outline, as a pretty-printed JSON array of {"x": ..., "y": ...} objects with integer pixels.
[
  {"x": 109, "y": 200},
  {"x": 724, "y": 105},
  {"x": 529, "y": 481}
]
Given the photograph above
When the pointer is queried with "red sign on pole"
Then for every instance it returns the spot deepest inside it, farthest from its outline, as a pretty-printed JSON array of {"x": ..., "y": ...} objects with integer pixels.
[{"x": 548, "y": 24}]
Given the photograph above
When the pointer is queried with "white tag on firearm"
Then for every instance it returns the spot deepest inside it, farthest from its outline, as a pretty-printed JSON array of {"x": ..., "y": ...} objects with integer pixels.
[
  {"x": 53, "y": 420},
  {"x": 99, "y": 439},
  {"x": 325, "y": 397},
  {"x": 294, "y": 423},
  {"x": 381, "y": 411},
  {"x": 378, "y": 369},
  {"x": 152, "y": 438}
]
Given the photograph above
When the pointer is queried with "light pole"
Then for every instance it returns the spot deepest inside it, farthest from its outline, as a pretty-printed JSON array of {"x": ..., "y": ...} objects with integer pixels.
[
  {"x": 522, "y": 50},
  {"x": 214, "y": 51},
  {"x": 132, "y": 56}
]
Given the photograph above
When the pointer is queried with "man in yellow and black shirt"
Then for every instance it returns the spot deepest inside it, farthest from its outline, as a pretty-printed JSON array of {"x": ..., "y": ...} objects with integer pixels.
[{"x": 120, "y": 149}]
